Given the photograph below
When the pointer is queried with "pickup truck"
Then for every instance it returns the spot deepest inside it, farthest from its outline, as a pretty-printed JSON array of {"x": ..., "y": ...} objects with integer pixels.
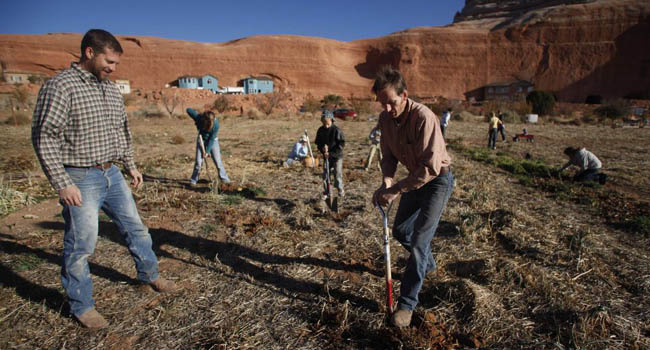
[{"x": 344, "y": 114}]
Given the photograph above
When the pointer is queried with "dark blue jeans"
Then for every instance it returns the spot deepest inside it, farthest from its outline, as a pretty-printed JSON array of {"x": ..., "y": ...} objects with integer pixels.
[
  {"x": 415, "y": 225},
  {"x": 587, "y": 175},
  {"x": 492, "y": 138}
]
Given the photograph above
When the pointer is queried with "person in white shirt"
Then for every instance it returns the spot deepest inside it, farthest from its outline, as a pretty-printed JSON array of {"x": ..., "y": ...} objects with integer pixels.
[
  {"x": 375, "y": 138},
  {"x": 445, "y": 121},
  {"x": 589, "y": 165},
  {"x": 299, "y": 152}
]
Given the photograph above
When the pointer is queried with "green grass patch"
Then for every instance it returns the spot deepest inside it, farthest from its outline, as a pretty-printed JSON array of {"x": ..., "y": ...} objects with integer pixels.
[
  {"x": 641, "y": 225},
  {"x": 231, "y": 199},
  {"x": 208, "y": 228},
  {"x": 26, "y": 262}
]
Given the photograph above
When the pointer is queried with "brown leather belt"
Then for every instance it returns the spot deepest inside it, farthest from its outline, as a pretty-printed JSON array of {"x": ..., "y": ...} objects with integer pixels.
[
  {"x": 103, "y": 166},
  {"x": 444, "y": 170}
]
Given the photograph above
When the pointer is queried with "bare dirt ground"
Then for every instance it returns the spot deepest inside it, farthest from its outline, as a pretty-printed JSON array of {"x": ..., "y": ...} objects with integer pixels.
[{"x": 523, "y": 262}]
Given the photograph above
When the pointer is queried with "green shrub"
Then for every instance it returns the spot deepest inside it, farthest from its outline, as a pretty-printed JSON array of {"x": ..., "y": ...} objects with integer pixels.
[
  {"x": 613, "y": 109},
  {"x": 311, "y": 104},
  {"x": 542, "y": 102},
  {"x": 331, "y": 102}
]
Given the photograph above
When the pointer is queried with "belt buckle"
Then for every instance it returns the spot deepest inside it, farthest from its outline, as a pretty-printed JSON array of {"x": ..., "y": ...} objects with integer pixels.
[{"x": 103, "y": 166}]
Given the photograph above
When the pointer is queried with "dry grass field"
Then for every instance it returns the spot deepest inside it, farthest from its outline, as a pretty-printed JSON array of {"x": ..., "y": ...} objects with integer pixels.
[{"x": 526, "y": 260}]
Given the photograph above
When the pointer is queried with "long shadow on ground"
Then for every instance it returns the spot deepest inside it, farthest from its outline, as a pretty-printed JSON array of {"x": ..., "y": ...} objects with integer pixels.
[
  {"x": 237, "y": 257},
  {"x": 33, "y": 292}
]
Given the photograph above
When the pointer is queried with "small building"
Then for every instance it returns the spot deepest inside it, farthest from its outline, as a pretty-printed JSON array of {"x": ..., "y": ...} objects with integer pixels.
[
  {"x": 209, "y": 82},
  {"x": 508, "y": 91},
  {"x": 16, "y": 77},
  {"x": 257, "y": 85},
  {"x": 188, "y": 82},
  {"x": 124, "y": 86}
]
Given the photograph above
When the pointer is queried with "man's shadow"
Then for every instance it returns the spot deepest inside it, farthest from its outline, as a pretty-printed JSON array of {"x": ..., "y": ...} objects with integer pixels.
[
  {"x": 33, "y": 292},
  {"x": 237, "y": 257}
]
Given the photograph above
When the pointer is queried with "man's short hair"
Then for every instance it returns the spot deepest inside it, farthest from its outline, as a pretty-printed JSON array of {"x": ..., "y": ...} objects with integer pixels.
[
  {"x": 388, "y": 76},
  {"x": 99, "y": 40},
  {"x": 569, "y": 151}
]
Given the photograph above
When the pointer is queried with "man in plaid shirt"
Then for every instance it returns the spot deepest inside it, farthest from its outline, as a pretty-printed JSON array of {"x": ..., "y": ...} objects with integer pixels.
[{"x": 79, "y": 130}]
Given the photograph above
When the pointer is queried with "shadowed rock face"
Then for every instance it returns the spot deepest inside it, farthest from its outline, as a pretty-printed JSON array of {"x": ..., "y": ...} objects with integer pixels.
[
  {"x": 482, "y": 9},
  {"x": 598, "y": 47}
]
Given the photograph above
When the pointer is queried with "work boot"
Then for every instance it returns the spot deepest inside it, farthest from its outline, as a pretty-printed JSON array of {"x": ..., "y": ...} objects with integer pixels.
[
  {"x": 401, "y": 318},
  {"x": 162, "y": 285},
  {"x": 92, "y": 319}
]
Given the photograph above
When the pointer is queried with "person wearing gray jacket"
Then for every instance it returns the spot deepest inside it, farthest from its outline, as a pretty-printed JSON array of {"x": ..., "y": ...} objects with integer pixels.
[{"x": 589, "y": 165}]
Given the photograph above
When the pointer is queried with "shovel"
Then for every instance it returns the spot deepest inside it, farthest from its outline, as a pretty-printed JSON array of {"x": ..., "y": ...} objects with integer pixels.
[
  {"x": 205, "y": 159},
  {"x": 389, "y": 279}
]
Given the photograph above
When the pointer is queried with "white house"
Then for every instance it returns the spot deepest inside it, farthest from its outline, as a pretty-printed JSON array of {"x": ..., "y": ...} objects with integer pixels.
[{"x": 124, "y": 86}]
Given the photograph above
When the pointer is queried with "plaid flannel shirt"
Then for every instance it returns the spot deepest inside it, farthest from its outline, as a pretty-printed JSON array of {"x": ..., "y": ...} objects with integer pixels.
[{"x": 79, "y": 121}]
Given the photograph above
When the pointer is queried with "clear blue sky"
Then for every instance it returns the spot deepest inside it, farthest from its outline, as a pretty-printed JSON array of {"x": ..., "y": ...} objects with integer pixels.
[{"x": 224, "y": 20}]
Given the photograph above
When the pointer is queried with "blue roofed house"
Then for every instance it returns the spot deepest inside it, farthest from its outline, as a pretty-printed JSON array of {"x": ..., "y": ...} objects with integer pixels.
[
  {"x": 257, "y": 85},
  {"x": 209, "y": 82},
  {"x": 188, "y": 82}
]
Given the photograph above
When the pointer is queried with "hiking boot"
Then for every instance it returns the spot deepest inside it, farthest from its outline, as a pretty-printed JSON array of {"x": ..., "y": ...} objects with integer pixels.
[
  {"x": 92, "y": 319},
  {"x": 162, "y": 285},
  {"x": 401, "y": 318}
]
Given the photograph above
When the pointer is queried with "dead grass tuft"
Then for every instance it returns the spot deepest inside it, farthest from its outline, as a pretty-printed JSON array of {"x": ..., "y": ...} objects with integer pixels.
[
  {"x": 525, "y": 260},
  {"x": 178, "y": 140}
]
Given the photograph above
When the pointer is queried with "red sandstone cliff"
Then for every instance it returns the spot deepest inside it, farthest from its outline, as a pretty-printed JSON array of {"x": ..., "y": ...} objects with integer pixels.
[{"x": 600, "y": 47}]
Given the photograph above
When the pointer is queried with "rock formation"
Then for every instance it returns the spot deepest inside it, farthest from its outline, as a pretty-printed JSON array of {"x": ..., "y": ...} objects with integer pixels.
[{"x": 572, "y": 48}]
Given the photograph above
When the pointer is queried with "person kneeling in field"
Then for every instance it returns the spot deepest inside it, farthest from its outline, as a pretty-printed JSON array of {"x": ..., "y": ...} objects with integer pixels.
[
  {"x": 300, "y": 153},
  {"x": 208, "y": 126},
  {"x": 589, "y": 165}
]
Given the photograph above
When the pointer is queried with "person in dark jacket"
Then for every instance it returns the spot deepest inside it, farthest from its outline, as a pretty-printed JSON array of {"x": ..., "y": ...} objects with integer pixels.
[
  {"x": 208, "y": 127},
  {"x": 330, "y": 142}
]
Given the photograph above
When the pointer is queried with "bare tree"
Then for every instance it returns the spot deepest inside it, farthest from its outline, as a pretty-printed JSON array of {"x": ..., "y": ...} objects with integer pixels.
[
  {"x": 221, "y": 104},
  {"x": 170, "y": 101},
  {"x": 267, "y": 102}
]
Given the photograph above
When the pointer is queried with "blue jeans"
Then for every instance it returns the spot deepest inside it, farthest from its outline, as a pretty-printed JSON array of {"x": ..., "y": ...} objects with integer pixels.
[
  {"x": 215, "y": 153},
  {"x": 106, "y": 190},
  {"x": 415, "y": 225},
  {"x": 336, "y": 166}
]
